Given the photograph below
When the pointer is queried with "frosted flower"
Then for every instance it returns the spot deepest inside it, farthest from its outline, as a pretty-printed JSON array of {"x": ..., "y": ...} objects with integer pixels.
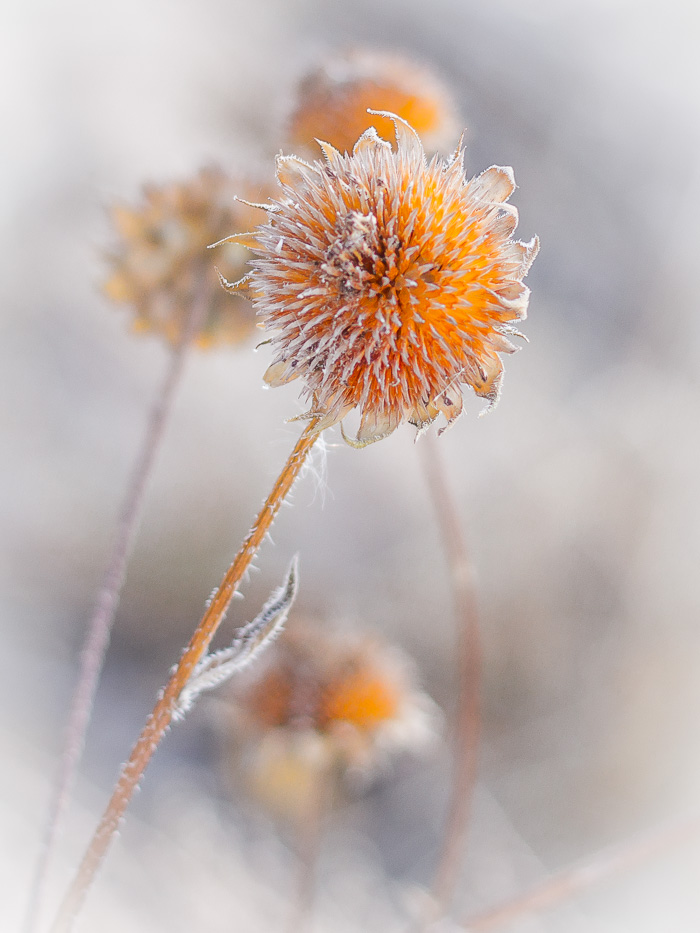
[
  {"x": 387, "y": 282},
  {"x": 162, "y": 250},
  {"x": 326, "y": 705},
  {"x": 332, "y": 101}
]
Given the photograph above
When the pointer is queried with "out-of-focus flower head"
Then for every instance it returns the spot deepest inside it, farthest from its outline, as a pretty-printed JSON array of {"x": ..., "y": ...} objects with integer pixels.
[
  {"x": 387, "y": 281},
  {"x": 161, "y": 257},
  {"x": 332, "y": 101},
  {"x": 327, "y": 708}
]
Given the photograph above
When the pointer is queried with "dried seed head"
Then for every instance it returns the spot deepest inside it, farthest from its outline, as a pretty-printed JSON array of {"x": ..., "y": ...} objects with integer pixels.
[
  {"x": 387, "y": 282},
  {"x": 162, "y": 253},
  {"x": 327, "y": 704},
  {"x": 332, "y": 101}
]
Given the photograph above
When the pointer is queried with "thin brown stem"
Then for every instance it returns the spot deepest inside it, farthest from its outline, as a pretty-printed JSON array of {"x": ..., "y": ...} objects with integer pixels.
[
  {"x": 100, "y": 624},
  {"x": 469, "y": 662},
  {"x": 160, "y": 718},
  {"x": 309, "y": 834},
  {"x": 603, "y": 865}
]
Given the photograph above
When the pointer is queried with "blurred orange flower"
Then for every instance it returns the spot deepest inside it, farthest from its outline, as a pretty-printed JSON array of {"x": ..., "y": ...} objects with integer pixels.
[
  {"x": 162, "y": 253},
  {"x": 332, "y": 101},
  {"x": 326, "y": 705}
]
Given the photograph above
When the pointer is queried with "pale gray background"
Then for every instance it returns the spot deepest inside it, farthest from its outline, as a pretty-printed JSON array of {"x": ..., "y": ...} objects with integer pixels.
[{"x": 580, "y": 493}]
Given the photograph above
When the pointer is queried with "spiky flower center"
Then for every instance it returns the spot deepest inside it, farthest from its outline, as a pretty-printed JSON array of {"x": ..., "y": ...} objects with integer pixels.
[{"x": 387, "y": 281}]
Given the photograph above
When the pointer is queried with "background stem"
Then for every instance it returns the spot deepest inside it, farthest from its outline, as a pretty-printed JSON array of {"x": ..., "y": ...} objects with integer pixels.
[
  {"x": 564, "y": 884},
  {"x": 309, "y": 835},
  {"x": 100, "y": 624},
  {"x": 469, "y": 673}
]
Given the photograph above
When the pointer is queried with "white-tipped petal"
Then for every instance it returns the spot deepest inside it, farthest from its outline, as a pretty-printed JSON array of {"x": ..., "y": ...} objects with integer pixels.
[
  {"x": 507, "y": 221},
  {"x": 333, "y": 416},
  {"x": 279, "y": 374},
  {"x": 490, "y": 386},
  {"x": 496, "y": 184},
  {"x": 450, "y": 404},
  {"x": 291, "y": 170},
  {"x": 375, "y": 425},
  {"x": 423, "y": 415},
  {"x": 514, "y": 291},
  {"x": 406, "y": 136},
  {"x": 333, "y": 157},
  {"x": 370, "y": 141},
  {"x": 501, "y": 344},
  {"x": 529, "y": 251}
]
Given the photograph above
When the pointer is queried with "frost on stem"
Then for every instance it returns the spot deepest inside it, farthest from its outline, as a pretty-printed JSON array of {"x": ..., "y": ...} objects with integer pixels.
[{"x": 218, "y": 666}]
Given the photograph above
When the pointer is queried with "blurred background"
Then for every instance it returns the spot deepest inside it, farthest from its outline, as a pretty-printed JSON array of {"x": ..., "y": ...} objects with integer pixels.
[{"x": 579, "y": 494}]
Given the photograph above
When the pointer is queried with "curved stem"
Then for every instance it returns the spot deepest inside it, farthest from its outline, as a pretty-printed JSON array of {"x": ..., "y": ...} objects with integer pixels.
[
  {"x": 564, "y": 884},
  {"x": 469, "y": 654},
  {"x": 99, "y": 626},
  {"x": 160, "y": 718}
]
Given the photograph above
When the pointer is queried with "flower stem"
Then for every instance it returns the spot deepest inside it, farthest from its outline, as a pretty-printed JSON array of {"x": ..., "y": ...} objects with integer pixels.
[
  {"x": 469, "y": 659},
  {"x": 160, "y": 718},
  {"x": 100, "y": 624},
  {"x": 309, "y": 835},
  {"x": 605, "y": 864}
]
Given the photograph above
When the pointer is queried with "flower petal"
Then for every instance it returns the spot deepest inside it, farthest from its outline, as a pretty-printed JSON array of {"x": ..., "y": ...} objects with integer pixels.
[
  {"x": 530, "y": 250},
  {"x": 333, "y": 157},
  {"x": 290, "y": 170},
  {"x": 451, "y": 405},
  {"x": 494, "y": 185},
  {"x": 406, "y": 136},
  {"x": 369, "y": 142},
  {"x": 279, "y": 374},
  {"x": 376, "y": 425},
  {"x": 490, "y": 386}
]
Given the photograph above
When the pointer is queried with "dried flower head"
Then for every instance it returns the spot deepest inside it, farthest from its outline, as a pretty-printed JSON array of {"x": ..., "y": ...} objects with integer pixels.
[
  {"x": 162, "y": 254},
  {"x": 332, "y": 101},
  {"x": 387, "y": 281},
  {"x": 326, "y": 705}
]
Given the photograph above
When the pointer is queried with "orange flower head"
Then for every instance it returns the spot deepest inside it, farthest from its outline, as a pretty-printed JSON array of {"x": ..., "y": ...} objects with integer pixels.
[
  {"x": 387, "y": 282},
  {"x": 332, "y": 101},
  {"x": 162, "y": 255}
]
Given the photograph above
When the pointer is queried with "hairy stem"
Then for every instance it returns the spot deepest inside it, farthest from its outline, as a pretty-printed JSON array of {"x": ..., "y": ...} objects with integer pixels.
[
  {"x": 160, "y": 718},
  {"x": 100, "y": 623},
  {"x": 605, "y": 864},
  {"x": 469, "y": 662}
]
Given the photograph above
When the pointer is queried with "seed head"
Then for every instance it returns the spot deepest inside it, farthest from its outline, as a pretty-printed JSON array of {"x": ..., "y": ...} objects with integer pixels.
[
  {"x": 387, "y": 282},
  {"x": 326, "y": 704},
  {"x": 332, "y": 101},
  {"x": 162, "y": 253}
]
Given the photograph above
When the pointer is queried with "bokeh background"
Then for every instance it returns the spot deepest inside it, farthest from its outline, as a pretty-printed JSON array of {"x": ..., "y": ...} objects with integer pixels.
[{"x": 579, "y": 494}]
